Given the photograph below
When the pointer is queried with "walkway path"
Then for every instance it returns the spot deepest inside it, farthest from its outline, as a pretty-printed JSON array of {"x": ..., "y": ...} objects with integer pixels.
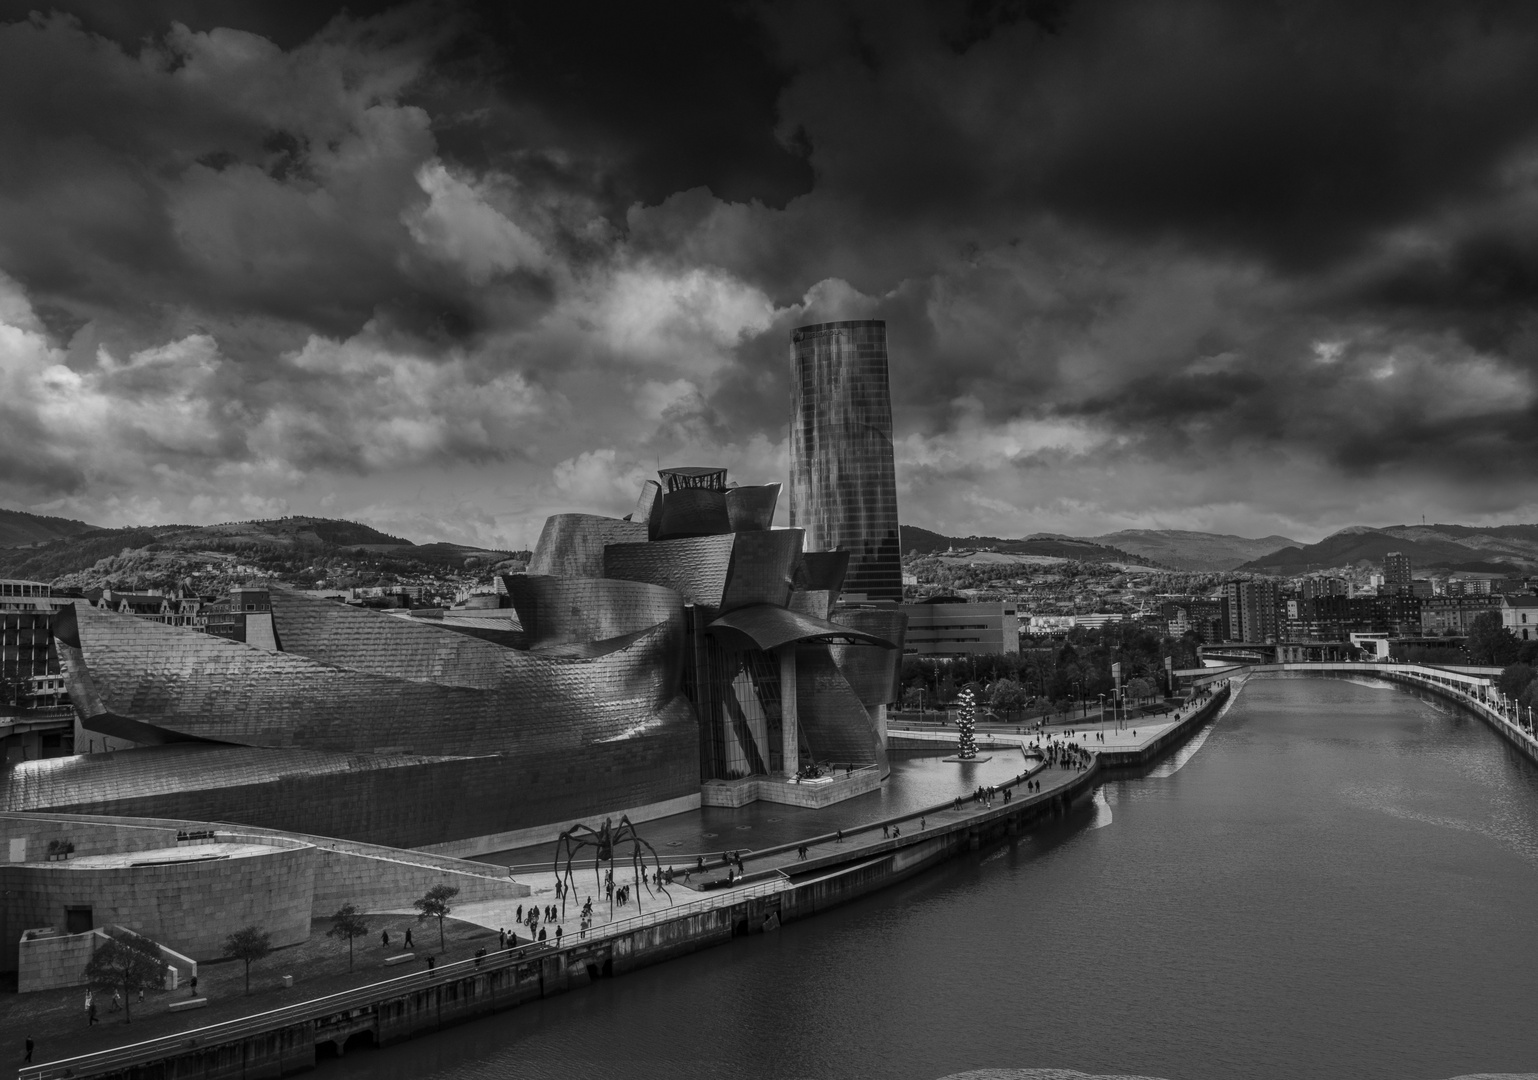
[{"x": 780, "y": 859}]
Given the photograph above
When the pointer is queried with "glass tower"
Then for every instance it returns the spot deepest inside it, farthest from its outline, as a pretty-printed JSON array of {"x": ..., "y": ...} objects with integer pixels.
[{"x": 843, "y": 485}]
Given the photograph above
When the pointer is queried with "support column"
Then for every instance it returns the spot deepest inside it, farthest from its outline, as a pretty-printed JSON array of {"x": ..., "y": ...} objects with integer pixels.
[{"x": 790, "y": 727}]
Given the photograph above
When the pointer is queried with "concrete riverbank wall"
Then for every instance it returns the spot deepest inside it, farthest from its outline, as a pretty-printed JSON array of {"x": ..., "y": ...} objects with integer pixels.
[
  {"x": 291, "y": 1040},
  {"x": 1183, "y": 729},
  {"x": 1458, "y": 688}
]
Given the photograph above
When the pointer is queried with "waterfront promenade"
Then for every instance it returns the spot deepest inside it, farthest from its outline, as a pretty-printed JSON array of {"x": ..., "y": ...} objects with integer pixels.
[{"x": 777, "y": 885}]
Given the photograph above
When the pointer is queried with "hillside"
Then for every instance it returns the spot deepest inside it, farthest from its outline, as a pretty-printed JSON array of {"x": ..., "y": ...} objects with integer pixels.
[
  {"x": 211, "y": 556},
  {"x": 1493, "y": 549},
  {"x": 19, "y": 528},
  {"x": 924, "y": 542},
  {"x": 1187, "y": 550}
]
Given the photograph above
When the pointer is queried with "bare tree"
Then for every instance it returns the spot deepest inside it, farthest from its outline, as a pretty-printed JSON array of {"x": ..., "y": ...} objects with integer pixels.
[
  {"x": 347, "y": 923},
  {"x": 127, "y": 962},
  {"x": 435, "y": 905},
  {"x": 249, "y": 943}
]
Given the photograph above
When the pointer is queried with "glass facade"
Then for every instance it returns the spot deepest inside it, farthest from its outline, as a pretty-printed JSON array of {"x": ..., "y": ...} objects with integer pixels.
[{"x": 843, "y": 483}]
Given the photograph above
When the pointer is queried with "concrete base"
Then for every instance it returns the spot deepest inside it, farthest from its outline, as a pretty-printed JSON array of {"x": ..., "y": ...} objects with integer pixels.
[
  {"x": 778, "y": 789},
  {"x": 969, "y": 760},
  {"x": 544, "y": 834}
]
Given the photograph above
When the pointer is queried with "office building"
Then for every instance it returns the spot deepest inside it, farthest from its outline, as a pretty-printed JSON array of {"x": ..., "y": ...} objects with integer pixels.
[
  {"x": 843, "y": 485},
  {"x": 949, "y": 630}
]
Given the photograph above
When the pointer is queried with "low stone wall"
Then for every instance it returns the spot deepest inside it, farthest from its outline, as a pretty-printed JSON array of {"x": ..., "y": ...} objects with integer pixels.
[
  {"x": 551, "y": 831},
  {"x": 190, "y": 906},
  {"x": 734, "y": 793},
  {"x": 48, "y": 960}
]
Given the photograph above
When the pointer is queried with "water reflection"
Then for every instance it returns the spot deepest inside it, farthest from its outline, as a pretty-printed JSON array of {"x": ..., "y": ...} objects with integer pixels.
[{"x": 1339, "y": 884}]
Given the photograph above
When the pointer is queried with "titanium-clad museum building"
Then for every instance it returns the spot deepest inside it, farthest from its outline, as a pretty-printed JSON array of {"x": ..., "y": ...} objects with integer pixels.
[{"x": 641, "y": 657}]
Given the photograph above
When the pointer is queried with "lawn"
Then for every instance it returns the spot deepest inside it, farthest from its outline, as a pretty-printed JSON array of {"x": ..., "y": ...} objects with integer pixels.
[{"x": 55, "y": 1019}]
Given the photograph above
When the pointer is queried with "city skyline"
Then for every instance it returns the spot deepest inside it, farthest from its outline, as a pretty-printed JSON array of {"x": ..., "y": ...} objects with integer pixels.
[{"x": 449, "y": 271}]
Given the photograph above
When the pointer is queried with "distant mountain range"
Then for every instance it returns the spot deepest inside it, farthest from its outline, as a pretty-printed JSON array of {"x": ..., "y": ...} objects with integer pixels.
[
  {"x": 1494, "y": 549},
  {"x": 18, "y": 528},
  {"x": 1186, "y": 550},
  {"x": 925, "y": 542},
  {"x": 83, "y": 556}
]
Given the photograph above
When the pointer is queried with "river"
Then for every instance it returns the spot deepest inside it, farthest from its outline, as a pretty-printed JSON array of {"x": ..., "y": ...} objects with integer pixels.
[{"x": 1342, "y": 881}]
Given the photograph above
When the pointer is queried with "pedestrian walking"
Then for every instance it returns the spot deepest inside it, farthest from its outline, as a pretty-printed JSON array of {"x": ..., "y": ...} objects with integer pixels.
[
  {"x": 194, "y": 985},
  {"x": 408, "y": 940},
  {"x": 88, "y": 1008},
  {"x": 28, "y": 1058},
  {"x": 501, "y": 938},
  {"x": 384, "y": 938},
  {"x": 557, "y": 937}
]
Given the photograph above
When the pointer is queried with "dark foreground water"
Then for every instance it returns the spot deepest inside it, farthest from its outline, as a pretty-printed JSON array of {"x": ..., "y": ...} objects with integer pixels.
[{"x": 1342, "y": 881}]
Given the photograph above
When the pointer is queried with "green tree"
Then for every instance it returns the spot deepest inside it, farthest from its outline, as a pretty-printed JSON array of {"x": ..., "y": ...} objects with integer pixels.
[
  {"x": 347, "y": 923},
  {"x": 249, "y": 944},
  {"x": 1490, "y": 642},
  {"x": 1006, "y": 694},
  {"x": 435, "y": 905},
  {"x": 1515, "y": 679},
  {"x": 1141, "y": 689},
  {"x": 128, "y": 963}
]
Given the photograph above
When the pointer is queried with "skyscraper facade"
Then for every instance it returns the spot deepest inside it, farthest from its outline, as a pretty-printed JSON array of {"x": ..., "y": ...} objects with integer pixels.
[
  {"x": 1396, "y": 568},
  {"x": 843, "y": 483}
]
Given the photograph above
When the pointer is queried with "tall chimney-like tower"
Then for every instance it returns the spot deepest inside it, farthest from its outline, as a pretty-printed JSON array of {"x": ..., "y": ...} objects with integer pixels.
[{"x": 843, "y": 484}]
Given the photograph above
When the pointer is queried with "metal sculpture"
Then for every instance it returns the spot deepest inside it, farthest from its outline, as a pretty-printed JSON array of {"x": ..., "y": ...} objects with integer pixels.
[{"x": 604, "y": 841}]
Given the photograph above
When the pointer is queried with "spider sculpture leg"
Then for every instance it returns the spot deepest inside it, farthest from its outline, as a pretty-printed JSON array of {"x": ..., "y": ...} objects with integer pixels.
[{"x": 570, "y": 843}]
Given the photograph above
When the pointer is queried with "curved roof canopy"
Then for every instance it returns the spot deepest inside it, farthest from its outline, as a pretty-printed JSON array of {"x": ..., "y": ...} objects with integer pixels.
[{"x": 767, "y": 627}]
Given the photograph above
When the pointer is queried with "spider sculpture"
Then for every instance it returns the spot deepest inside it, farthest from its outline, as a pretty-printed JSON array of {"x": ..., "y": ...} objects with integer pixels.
[{"x": 604, "y": 841}]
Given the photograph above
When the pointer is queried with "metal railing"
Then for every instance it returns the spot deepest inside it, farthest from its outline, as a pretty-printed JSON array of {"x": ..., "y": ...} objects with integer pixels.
[{"x": 318, "y": 1008}]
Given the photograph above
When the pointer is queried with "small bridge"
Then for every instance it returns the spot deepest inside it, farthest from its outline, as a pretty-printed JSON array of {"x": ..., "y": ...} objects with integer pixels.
[
  {"x": 1473, "y": 687},
  {"x": 1277, "y": 652}
]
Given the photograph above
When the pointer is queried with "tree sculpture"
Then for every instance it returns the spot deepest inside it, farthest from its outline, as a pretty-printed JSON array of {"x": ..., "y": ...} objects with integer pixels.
[
  {"x": 966, "y": 724},
  {"x": 128, "y": 963},
  {"x": 347, "y": 923},
  {"x": 435, "y": 905},
  {"x": 248, "y": 944}
]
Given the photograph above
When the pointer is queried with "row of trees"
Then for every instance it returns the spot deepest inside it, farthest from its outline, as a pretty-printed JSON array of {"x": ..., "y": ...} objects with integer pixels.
[
  {"x": 1077, "y": 668},
  {"x": 129, "y": 963}
]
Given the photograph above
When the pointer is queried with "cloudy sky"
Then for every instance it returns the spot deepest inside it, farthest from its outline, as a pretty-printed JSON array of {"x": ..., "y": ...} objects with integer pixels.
[{"x": 446, "y": 268}]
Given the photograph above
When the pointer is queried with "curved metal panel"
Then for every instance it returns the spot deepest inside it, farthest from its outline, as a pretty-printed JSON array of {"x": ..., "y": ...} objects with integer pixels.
[
  {"x": 693, "y": 512},
  {"x": 363, "y": 640},
  {"x": 762, "y": 568},
  {"x": 696, "y": 568},
  {"x": 749, "y": 509},
  {"x": 834, "y": 724},
  {"x": 818, "y": 603},
  {"x": 561, "y": 611},
  {"x": 877, "y": 681},
  {"x": 182, "y": 684},
  {"x": 823, "y": 570},
  {"x": 571, "y": 545},
  {"x": 768, "y": 627}
]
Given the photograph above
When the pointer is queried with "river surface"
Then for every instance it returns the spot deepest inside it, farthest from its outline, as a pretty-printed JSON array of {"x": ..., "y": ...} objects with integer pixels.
[{"x": 1340, "y": 881}]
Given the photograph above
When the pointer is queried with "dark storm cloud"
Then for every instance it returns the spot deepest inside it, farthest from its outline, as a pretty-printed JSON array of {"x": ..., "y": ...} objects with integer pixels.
[{"x": 1187, "y": 244}]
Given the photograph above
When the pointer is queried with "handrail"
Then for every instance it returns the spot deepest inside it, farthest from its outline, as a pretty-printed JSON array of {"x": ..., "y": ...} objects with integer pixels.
[
  {"x": 316, "y": 1008},
  {"x": 370, "y": 993}
]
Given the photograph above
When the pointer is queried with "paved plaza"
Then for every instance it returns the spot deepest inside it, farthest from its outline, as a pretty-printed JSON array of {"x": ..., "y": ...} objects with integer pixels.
[{"x": 766, "y": 836}]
